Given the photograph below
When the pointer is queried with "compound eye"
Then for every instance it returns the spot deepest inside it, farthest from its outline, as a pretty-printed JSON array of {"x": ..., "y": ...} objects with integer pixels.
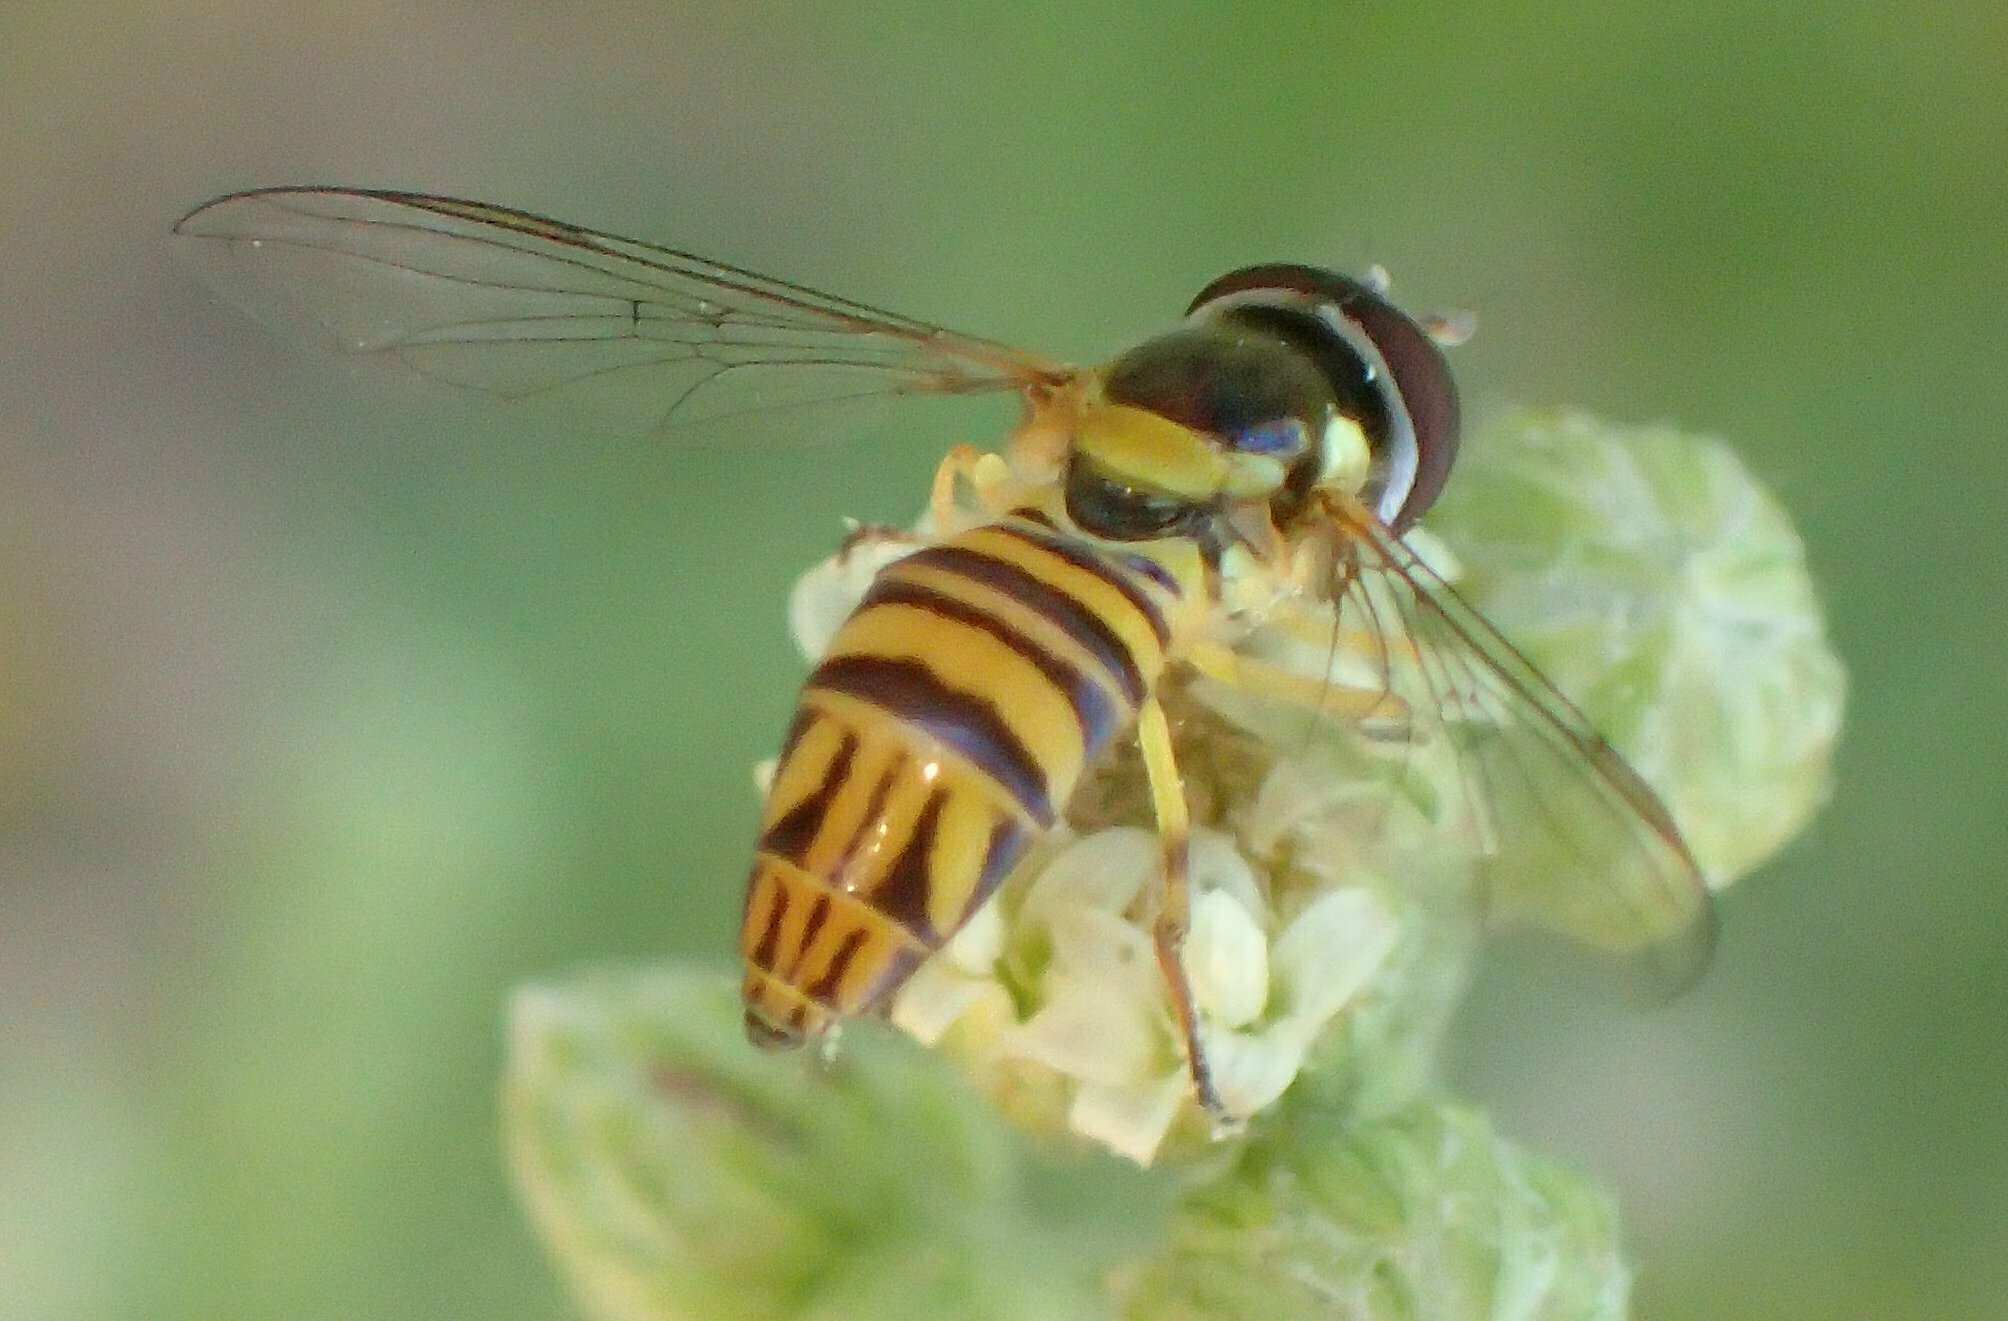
[
  {"x": 1103, "y": 506},
  {"x": 1385, "y": 370}
]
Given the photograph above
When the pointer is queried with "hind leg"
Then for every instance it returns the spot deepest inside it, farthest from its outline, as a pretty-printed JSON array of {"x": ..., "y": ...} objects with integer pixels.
[{"x": 1174, "y": 909}]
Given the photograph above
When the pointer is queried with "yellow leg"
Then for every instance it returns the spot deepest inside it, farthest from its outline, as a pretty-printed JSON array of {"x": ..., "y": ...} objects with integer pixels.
[
  {"x": 958, "y": 464},
  {"x": 1174, "y": 910},
  {"x": 1320, "y": 696},
  {"x": 1350, "y": 637}
]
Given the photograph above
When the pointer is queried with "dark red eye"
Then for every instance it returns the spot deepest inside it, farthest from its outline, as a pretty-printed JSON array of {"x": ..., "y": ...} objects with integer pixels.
[{"x": 1409, "y": 411}]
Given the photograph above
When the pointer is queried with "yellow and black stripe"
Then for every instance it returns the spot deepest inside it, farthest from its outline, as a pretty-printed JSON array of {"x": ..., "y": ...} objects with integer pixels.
[{"x": 955, "y": 712}]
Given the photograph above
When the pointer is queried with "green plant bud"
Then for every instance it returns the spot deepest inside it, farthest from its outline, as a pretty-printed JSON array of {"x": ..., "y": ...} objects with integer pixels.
[
  {"x": 1423, "y": 1215},
  {"x": 679, "y": 1175},
  {"x": 1650, "y": 575}
]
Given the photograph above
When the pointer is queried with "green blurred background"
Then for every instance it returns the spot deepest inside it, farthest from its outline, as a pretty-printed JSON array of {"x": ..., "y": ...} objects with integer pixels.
[{"x": 330, "y": 708}]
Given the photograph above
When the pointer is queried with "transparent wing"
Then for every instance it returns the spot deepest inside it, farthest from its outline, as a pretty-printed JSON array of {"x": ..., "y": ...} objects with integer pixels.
[
  {"x": 511, "y": 304},
  {"x": 1573, "y": 841}
]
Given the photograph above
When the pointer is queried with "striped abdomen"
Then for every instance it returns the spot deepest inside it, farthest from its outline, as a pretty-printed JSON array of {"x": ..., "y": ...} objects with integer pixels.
[{"x": 945, "y": 729}]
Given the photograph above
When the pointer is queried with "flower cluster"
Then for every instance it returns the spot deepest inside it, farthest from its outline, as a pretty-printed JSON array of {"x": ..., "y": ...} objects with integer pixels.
[{"x": 1071, "y": 951}]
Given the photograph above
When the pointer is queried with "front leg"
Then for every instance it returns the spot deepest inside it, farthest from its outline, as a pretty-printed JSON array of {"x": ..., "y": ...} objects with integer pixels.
[
  {"x": 994, "y": 490},
  {"x": 959, "y": 464}
]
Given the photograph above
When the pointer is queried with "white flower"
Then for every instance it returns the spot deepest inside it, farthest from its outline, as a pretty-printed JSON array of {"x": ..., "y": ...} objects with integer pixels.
[
  {"x": 1079, "y": 952},
  {"x": 957, "y": 980},
  {"x": 825, "y": 596}
]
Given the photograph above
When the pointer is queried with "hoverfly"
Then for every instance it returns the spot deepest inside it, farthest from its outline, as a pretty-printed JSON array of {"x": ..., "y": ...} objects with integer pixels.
[{"x": 1294, "y": 418}]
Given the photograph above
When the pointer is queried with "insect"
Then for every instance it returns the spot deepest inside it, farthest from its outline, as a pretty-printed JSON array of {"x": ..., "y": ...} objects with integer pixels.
[{"x": 1294, "y": 419}]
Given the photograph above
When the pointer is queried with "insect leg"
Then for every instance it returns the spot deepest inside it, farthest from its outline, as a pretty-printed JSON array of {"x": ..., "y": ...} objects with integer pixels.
[
  {"x": 1363, "y": 639},
  {"x": 959, "y": 464},
  {"x": 1320, "y": 696},
  {"x": 1174, "y": 911}
]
